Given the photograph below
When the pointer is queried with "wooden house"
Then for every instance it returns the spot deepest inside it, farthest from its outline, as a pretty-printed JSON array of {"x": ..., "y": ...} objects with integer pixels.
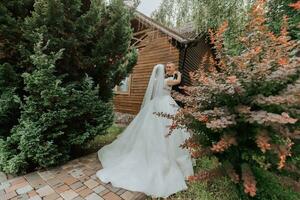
[{"x": 157, "y": 44}]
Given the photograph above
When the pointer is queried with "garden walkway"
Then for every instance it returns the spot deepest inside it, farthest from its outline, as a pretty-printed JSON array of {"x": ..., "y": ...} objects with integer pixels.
[{"x": 74, "y": 180}]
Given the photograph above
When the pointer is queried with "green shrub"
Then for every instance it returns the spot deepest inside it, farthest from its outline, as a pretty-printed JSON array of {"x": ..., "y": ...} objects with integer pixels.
[
  {"x": 48, "y": 106},
  {"x": 270, "y": 188},
  {"x": 244, "y": 109},
  {"x": 9, "y": 100},
  {"x": 54, "y": 118},
  {"x": 12, "y": 14},
  {"x": 277, "y": 9},
  {"x": 95, "y": 34}
]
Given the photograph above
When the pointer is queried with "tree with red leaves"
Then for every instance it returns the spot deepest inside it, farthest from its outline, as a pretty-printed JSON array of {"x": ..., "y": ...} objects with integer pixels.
[{"x": 244, "y": 109}]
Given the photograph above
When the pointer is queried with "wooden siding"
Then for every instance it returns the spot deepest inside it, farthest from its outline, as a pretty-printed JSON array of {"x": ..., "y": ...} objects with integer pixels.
[
  {"x": 157, "y": 49},
  {"x": 194, "y": 57}
]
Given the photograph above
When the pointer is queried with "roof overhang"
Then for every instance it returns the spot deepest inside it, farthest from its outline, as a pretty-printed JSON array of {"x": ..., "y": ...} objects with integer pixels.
[{"x": 178, "y": 37}]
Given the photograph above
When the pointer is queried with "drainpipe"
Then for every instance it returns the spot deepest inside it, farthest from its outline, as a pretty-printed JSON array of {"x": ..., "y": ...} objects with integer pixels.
[
  {"x": 185, "y": 52},
  {"x": 186, "y": 45}
]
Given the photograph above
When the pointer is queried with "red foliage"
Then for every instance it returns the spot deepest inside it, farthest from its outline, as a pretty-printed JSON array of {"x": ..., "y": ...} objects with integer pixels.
[
  {"x": 231, "y": 172},
  {"x": 263, "y": 141},
  {"x": 248, "y": 103},
  {"x": 225, "y": 142},
  {"x": 206, "y": 175},
  {"x": 283, "y": 152},
  {"x": 195, "y": 149},
  {"x": 249, "y": 182},
  {"x": 295, "y": 5}
]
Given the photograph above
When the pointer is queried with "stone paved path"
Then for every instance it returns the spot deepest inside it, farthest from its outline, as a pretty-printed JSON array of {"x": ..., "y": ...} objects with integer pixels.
[{"x": 74, "y": 180}]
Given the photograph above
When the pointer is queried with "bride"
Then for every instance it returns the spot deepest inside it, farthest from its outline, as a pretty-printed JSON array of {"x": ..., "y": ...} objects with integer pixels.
[{"x": 142, "y": 159}]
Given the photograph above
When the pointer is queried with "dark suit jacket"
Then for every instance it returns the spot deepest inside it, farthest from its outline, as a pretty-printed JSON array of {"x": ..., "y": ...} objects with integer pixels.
[{"x": 176, "y": 87}]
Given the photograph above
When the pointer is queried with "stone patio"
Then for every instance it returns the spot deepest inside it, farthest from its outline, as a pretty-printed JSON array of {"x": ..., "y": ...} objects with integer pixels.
[{"x": 74, "y": 180}]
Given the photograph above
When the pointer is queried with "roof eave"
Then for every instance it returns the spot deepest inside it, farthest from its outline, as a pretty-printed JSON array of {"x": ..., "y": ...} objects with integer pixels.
[{"x": 162, "y": 28}]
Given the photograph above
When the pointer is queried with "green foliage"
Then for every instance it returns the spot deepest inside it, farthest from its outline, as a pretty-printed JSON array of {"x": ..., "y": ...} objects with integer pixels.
[
  {"x": 54, "y": 117},
  {"x": 100, "y": 140},
  {"x": 270, "y": 187},
  {"x": 95, "y": 39},
  {"x": 9, "y": 110},
  {"x": 244, "y": 109},
  {"x": 279, "y": 8},
  {"x": 221, "y": 189},
  {"x": 205, "y": 15},
  {"x": 48, "y": 106},
  {"x": 9, "y": 101},
  {"x": 216, "y": 189},
  {"x": 166, "y": 14},
  {"x": 12, "y": 14}
]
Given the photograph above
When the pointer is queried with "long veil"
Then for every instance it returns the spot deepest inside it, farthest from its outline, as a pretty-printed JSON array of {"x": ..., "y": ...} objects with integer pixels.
[{"x": 155, "y": 85}]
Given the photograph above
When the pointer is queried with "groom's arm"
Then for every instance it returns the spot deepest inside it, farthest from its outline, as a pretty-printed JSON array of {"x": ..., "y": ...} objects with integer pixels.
[{"x": 175, "y": 82}]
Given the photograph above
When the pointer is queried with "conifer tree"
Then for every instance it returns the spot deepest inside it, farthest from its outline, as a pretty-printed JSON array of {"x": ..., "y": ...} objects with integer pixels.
[
  {"x": 55, "y": 117},
  {"x": 12, "y": 15},
  {"x": 53, "y": 102},
  {"x": 96, "y": 39}
]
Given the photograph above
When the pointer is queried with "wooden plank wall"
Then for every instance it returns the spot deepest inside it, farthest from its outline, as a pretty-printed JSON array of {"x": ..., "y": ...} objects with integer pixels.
[
  {"x": 194, "y": 57},
  {"x": 157, "y": 50}
]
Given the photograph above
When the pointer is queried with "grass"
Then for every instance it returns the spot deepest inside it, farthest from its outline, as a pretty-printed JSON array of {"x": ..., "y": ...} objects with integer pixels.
[
  {"x": 102, "y": 140},
  {"x": 218, "y": 189}
]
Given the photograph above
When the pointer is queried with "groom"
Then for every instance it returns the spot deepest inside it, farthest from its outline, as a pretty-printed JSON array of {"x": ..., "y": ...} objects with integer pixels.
[{"x": 172, "y": 71}]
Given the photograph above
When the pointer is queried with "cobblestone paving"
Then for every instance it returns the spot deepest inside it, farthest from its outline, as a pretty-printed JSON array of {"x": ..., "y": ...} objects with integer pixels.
[{"x": 74, "y": 180}]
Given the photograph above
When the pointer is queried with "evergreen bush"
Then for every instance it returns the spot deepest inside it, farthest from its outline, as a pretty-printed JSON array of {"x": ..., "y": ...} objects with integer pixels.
[
  {"x": 52, "y": 103},
  {"x": 54, "y": 118}
]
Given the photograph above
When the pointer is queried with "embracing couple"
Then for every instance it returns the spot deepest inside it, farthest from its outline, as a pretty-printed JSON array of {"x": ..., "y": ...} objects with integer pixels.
[{"x": 142, "y": 158}]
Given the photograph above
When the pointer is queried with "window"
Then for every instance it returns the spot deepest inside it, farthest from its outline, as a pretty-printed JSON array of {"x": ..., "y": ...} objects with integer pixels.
[{"x": 124, "y": 86}]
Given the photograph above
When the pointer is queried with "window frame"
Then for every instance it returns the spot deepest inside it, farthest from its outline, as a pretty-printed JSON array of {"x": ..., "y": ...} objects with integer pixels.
[{"x": 116, "y": 88}]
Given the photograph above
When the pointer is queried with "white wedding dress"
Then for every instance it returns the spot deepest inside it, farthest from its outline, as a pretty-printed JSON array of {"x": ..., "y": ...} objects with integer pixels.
[{"x": 142, "y": 159}]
